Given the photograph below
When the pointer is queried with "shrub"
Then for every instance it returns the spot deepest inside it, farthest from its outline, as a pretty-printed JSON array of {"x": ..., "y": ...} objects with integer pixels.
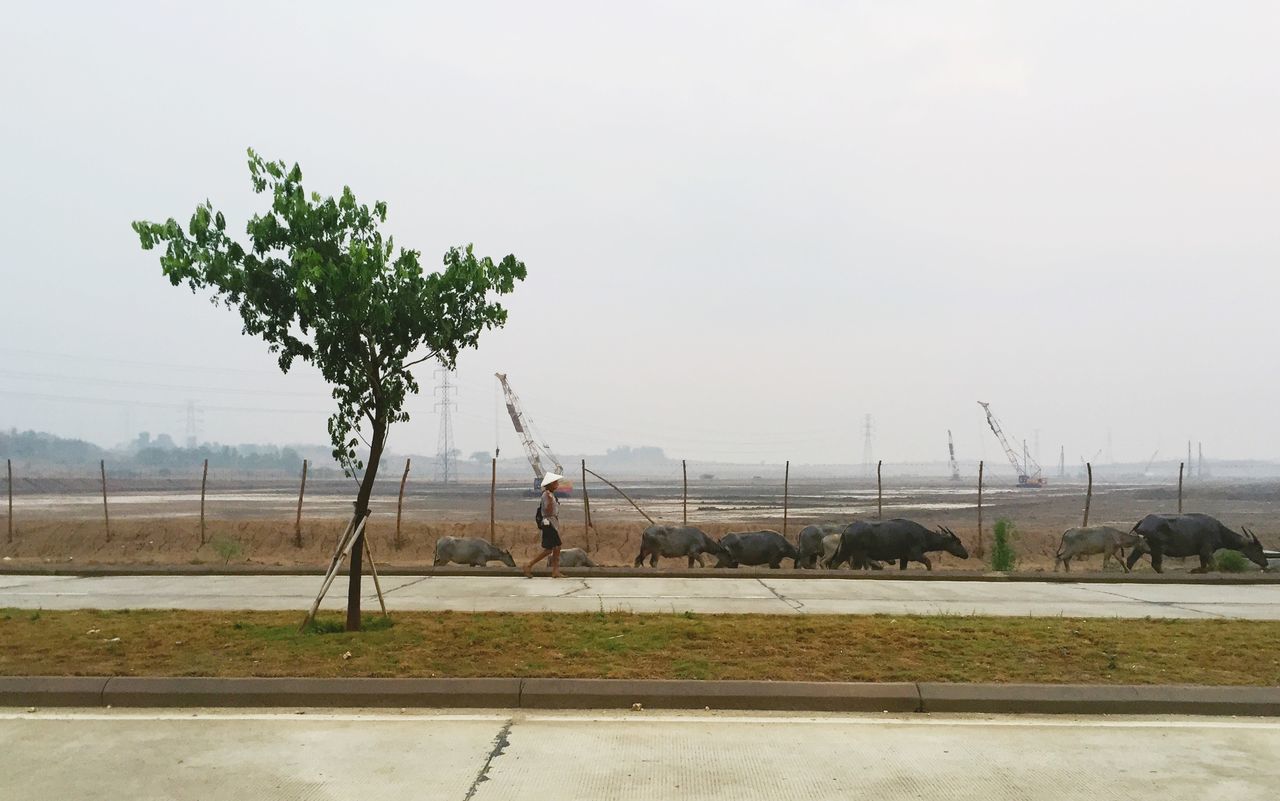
[
  {"x": 1230, "y": 561},
  {"x": 227, "y": 549},
  {"x": 1003, "y": 557}
]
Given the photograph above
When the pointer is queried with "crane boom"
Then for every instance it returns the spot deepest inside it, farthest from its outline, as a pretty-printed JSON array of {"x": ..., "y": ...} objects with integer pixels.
[
  {"x": 951, "y": 447},
  {"x": 533, "y": 451},
  {"x": 1028, "y": 471}
]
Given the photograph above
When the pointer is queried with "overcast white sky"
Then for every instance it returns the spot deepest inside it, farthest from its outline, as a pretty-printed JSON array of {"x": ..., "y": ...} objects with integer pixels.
[{"x": 746, "y": 224}]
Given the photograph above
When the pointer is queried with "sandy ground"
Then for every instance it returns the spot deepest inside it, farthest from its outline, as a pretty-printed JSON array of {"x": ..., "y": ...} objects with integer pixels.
[{"x": 158, "y": 522}]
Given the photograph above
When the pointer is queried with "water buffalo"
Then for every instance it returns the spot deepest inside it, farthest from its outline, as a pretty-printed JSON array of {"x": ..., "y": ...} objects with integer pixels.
[
  {"x": 756, "y": 548},
  {"x": 811, "y": 539},
  {"x": 1191, "y": 535},
  {"x": 474, "y": 552},
  {"x": 831, "y": 543},
  {"x": 1108, "y": 541},
  {"x": 575, "y": 557},
  {"x": 670, "y": 541},
  {"x": 894, "y": 540}
]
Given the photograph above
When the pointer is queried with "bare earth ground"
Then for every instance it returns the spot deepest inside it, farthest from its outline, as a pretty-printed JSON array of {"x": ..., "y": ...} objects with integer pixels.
[{"x": 156, "y": 522}]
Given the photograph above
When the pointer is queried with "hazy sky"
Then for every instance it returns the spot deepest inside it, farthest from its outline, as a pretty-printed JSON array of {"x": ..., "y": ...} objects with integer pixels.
[{"x": 746, "y": 224}]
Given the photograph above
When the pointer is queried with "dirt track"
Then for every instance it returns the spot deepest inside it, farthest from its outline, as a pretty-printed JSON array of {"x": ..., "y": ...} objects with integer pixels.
[{"x": 158, "y": 524}]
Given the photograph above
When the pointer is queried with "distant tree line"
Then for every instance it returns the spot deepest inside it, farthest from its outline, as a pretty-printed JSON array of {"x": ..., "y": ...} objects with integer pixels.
[{"x": 159, "y": 454}]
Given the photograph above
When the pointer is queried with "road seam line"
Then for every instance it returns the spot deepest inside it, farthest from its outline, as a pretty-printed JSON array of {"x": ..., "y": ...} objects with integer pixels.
[{"x": 500, "y": 744}]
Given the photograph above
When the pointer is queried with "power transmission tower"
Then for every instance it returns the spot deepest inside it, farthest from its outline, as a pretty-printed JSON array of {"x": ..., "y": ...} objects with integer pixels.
[
  {"x": 867, "y": 450},
  {"x": 446, "y": 459},
  {"x": 194, "y": 413}
]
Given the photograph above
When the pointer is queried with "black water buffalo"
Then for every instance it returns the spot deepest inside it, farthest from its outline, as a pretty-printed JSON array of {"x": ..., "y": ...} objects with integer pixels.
[
  {"x": 669, "y": 541},
  {"x": 811, "y": 542},
  {"x": 474, "y": 552},
  {"x": 894, "y": 540},
  {"x": 756, "y": 548},
  {"x": 1191, "y": 535}
]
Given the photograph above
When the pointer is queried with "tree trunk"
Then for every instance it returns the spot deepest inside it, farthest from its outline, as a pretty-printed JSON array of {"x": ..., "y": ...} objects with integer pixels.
[{"x": 362, "y": 509}]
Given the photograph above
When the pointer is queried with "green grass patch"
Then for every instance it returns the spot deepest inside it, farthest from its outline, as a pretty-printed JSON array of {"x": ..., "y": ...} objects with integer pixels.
[{"x": 629, "y": 646}]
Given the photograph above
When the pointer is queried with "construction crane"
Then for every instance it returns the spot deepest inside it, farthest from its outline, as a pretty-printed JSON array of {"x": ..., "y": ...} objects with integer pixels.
[
  {"x": 1028, "y": 471},
  {"x": 951, "y": 447},
  {"x": 533, "y": 450}
]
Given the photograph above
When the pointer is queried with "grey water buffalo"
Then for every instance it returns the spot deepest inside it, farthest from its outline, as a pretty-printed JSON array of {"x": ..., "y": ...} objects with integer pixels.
[
  {"x": 831, "y": 543},
  {"x": 811, "y": 539},
  {"x": 1086, "y": 541},
  {"x": 670, "y": 541},
  {"x": 575, "y": 557},
  {"x": 894, "y": 540},
  {"x": 474, "y": 552},
  {"x": 756, "y": 548},
  {"x": 1191, "y": 535}
]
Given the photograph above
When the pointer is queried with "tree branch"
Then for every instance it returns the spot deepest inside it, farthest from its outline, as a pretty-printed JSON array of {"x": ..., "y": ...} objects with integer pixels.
[{"x": 431, "y": 355}]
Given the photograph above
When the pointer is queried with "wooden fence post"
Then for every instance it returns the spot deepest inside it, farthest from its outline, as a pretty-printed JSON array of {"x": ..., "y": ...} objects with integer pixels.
[
  {"x": 879, "y": 493},
  {"x": 586, "y": 508},
  {"x": 1088, "y": 496},
  {"x": 9, "y": 464},
  {"x": 684, "y": 470},
  {"x": 493, "y": 499},
  {"x": 1180, "y": 468},
  {"x": 297, "y": 520},
  {"x": 204, "y": 478},
  {"x": 399, "y": 541},
  {"x": 786, "y": 496},
  {"x": 980, "y": 551},
  {"x": 106, "y": 517}
]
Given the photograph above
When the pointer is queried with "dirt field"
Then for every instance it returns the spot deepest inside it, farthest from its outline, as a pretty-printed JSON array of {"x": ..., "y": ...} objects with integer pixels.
[{"x": 157, "y": 522}]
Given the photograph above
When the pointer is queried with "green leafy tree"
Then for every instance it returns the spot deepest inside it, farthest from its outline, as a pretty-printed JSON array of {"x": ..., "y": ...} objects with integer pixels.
[{"x": 319, "y": 282}]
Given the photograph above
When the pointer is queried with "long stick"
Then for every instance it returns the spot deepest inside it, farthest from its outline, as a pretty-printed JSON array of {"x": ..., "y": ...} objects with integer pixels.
[
  {"x": 1088, "y": 496},
  {"x": 623, "y": 494},
  {"x": 297, "y": 521},
  {"x": 684, "y": 470},
  {"x": 204, "y": 478},
  {"x": 1180, "y": 467},
  {"x": 980, "y": 548},
  {"x": 493, "y": 497},
  {"x": 368, "y": 551},
  {"x": 9, "y": 464},
  {"x": 586, "y": 508},
  {"x": 879, "y": 492},
  {"x": 399, "y": 542},
  {"x": 786, "y": 495},
  {"x": 106, "y": 517}
]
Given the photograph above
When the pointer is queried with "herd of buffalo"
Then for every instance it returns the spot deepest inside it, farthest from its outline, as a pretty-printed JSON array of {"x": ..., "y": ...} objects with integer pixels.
[{"x": 867, "y": 544}]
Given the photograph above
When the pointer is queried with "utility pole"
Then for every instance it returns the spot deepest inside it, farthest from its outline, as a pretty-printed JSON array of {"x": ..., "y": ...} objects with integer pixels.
[{"x": 446, "y": 461}]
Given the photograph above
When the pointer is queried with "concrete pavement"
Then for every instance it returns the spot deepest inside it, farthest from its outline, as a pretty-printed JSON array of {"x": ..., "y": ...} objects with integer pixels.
[
  {"x": 782, "y": 596},
  {"x": 460, "y": 756}
]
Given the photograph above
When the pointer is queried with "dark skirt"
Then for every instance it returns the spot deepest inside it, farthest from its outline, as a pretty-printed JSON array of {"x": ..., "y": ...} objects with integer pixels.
[{"x": 550, "y": 537}]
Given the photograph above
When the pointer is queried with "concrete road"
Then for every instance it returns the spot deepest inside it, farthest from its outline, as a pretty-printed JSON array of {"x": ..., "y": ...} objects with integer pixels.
[
  {"x": 781, "y": 596},
  {"x": 236, "y": 755}
]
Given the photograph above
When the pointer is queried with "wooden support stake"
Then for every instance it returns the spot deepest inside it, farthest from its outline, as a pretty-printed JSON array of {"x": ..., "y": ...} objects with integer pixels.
[
  {"x": 684, "y": 470},
  {"x": 9, "y": 464},
  {"x": 373, "y": 568},
  {"x": 1088, "y": 495},
  {"x": 1180, "y": 468},
  {"x": 493, "y": 498},
  {"x": 204, "y": 478},
  {"x": 106, "y": 517},
  {"x": 399, "y": 541},
  {"x": 623, "y": 494},
  {"x": 345, "y": 542},
  {"x": 786, "y": 495},
  {"x": 586, "y": 508},
  {"x": 980, "y": 551},
  {"x": 297, "y": 521},
  {"x": 879, "y": 492}
]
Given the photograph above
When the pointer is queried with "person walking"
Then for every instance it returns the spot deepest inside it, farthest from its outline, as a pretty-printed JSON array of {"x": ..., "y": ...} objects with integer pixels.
[{"x": 550, "y": 526}]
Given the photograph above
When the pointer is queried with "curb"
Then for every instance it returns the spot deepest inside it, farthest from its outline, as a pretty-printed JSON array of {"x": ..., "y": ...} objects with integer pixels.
[
  {"x": 1072, "y": 699},
  {"x": 418, "y": 571}
]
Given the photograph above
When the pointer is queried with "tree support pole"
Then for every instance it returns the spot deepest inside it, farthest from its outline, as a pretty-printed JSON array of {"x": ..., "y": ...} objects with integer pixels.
[
  {"x": 345, "y": 542},
  {"x": 373, "y": 568}
]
